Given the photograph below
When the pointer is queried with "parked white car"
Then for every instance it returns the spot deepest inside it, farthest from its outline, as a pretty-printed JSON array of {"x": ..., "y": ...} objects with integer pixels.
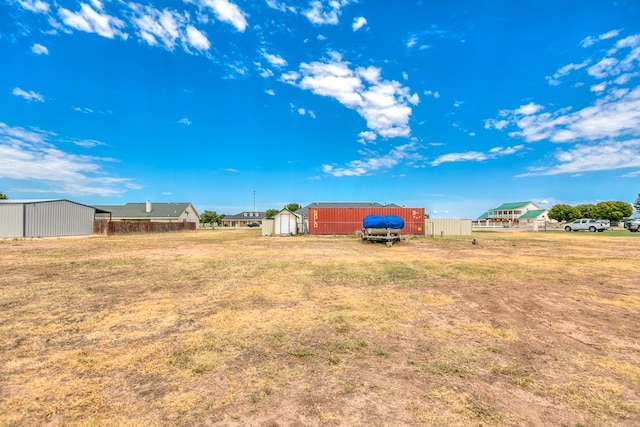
[
  {"x": 585, "y": 224},
  {"x": 632, "y": 224}
]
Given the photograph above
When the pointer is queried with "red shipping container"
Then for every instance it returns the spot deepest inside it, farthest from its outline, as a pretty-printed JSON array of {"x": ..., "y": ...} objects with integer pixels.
[{"x": 342, "y": 221}]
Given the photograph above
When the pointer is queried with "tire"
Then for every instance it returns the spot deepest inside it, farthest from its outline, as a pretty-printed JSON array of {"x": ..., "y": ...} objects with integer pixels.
[
  {"x": 601, "y": 230},
  {"x": 592, "y": 229},
  {"x": 567, "y": 228}
]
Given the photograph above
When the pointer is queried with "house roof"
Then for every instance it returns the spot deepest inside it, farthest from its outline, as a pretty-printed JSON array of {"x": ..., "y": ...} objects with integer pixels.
[
  {"x": 533, "y": 214},
  {"x": 484, "y": 215},
  {"x": 139, "y": 210},
  {"x": 305, "y": 210},
  {"x": 248, "y": 216},
  {"x": 296, "y": 213},
  {"x": 511, "y": 206}
]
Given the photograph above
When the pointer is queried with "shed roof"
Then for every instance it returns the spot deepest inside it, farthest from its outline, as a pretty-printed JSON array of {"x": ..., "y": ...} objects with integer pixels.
[
  {"x": 296, "y": 213},
  {"x": 29, "y": 201}
]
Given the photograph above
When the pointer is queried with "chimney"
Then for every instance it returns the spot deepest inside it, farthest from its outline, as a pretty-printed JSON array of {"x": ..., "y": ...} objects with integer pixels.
[{"x": 148, "y": 208}]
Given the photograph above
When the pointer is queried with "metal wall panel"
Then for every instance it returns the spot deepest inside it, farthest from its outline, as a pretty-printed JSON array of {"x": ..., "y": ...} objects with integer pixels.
[
  {"x": 268, "y": 226},
  {"x": 58, "y": 218},
  {"x": 11, "y": 220},
  {"x": 343, "y": 221},
  {"x": 447, "y": 227}
]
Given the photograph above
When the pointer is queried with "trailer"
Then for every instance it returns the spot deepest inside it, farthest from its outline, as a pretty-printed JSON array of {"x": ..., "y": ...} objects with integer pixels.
[{"x": 382, "y": 228}]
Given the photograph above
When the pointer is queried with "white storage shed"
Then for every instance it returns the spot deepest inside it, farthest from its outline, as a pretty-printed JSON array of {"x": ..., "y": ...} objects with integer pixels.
[
  {"x": 287, "y": 223},
  {"x": 45, "y": 218}
]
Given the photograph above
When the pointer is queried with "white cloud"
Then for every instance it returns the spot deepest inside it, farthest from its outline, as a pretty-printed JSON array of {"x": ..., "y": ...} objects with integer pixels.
[
  {"x": 29, "y": 96},
  {"x": 496, "y": 124},
  {"x": 227, "y": 12},
  {"x": 231, "y": 170},
  {"x": 197, "y": 39},
  {"x": 167, "y": 28},
  {"x": 32, "y": 156},
  {"x": 564, "y": 71},
  {"x": 605, "y": 155},
  {"x": 91, "y": 21},
  {"x": 590, "y": 41},
  {"x": 604, "y": 68},
  {"x": 83, "y": 110},
  {"x": 383, "y": 104},
  {"x": 358, "y": 23},
  {"x": 39, "y": 49},
  {"x": 270, "y": 92},
  {"x": 412, "y": 41},
  {"x": 614, "y": 115},
  {"x": 157, "y": 27},
  {"x": 275, "y": 60},
  {"x": 374, "y": 162},
  {"x": 36, "y": 6},
  {"x": 281, "y": 6},
  {"x": 89, "y": 143},
  {"x": 527, "y": 110},
  {"x": 435, "y": 94},
  {"x": 605, "y": 130},
  {"x": 325, "y": 11},
  {"x": 367, "y": 136},
  {"x": 477, "y": 156},
  {"x": 185, "y": 121}
]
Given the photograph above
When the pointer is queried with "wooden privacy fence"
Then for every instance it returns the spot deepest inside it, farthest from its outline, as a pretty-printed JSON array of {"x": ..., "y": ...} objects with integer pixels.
[{"x": 105, "y": 227}]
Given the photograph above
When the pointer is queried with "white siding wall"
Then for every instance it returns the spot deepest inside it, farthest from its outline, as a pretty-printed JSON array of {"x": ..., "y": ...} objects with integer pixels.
[
  {"x": 268, "y": 226},
  {"x": 189, "y": 215},
  {"x": 11, "y": 220}
]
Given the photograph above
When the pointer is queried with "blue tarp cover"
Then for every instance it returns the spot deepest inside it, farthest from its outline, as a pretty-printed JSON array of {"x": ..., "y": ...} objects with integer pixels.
[{"x": 383, "y": 221}]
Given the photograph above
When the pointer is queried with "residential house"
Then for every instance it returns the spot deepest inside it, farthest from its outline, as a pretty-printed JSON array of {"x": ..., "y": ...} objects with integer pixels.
[
  {"x": 243, "y": 219},
  {"x": 514, "y": 213},
  {"x": 154, "y": 212}
]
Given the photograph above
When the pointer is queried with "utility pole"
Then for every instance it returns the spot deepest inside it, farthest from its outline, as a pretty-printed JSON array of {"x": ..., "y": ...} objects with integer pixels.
[{"x": 254, "y": 199}]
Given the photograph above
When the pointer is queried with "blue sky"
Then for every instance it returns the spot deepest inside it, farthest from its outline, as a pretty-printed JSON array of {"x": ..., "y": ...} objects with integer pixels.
[{"x": 237, "y": 105}]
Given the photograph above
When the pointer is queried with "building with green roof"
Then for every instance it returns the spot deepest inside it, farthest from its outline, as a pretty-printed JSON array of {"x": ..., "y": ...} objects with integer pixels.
[{"x": 518, "y": 213}]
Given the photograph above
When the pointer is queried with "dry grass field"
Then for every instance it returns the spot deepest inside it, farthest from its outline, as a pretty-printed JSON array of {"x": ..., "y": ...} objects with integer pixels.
[{"x": 229, "y": 328}]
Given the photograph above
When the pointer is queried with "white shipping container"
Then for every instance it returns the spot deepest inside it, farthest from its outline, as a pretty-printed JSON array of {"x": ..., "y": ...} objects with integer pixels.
[{"x": 447, "y": 227}]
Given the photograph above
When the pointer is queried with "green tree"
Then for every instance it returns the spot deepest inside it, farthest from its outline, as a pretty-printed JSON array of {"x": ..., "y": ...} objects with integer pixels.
[
  {"x": 4, "y": 196},
  {"x": 270, "y": 213},
  {"x": 614, "y": 211},
  {"x": 562, "y": 212},
  {"x": 210, "y": 217},
  {"x": 636, "y": 204},
  {"x": 587, "y": 211},
  {"x": 293, "y": 207}
]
